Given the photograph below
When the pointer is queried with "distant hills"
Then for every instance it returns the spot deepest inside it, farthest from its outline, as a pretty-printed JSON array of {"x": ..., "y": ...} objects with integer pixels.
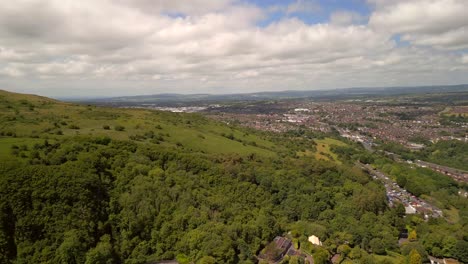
[{"x": 169, "y": 98}]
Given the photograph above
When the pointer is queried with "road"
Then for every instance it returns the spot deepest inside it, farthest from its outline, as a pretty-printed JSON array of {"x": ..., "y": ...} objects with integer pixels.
[{"x": 456, "y": 174}]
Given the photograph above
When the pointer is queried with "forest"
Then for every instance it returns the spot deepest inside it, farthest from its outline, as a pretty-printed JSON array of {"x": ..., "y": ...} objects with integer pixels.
[{"x": 84, "y": 184}]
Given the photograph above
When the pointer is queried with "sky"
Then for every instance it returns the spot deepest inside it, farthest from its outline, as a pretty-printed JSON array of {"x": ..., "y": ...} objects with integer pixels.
[{"x": 91, "y": 48}]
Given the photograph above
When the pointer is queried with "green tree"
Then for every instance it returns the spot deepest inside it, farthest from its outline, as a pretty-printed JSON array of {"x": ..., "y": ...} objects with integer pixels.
[
  {"x": 296, "y": 260},
  {"x": 355, "y": 253},
  {"x": 377, "y": 246},
  {"x": 414, "y": 257},
  {"x": 344, "y": 250},
  {"x": 412, "y": 236},
  {"x": 72, "y": 249},
  {"x": 321, "y": 256},
  {"x": 207, "y": 260},
  {"x": 102, "y": 253},
  {"x": 460, "y": 251},
  {"x": 401, "y": 180}
]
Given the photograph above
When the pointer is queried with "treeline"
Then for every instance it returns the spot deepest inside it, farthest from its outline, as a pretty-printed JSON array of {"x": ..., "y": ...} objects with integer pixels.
[{"x": 450, "y": 153}]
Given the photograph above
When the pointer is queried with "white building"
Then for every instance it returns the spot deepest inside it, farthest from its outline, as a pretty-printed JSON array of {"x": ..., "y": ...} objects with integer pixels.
[
  {"x": 410, "y": 209},
  {"x": 315, "y": 240}
]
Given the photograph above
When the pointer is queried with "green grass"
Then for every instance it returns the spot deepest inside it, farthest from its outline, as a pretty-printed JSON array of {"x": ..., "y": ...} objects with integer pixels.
[
  {"x": 395, "y": 258},
  {"x": 7, "y": 143},
  {"x": 324, "y": 149},
  {"x": 391, "y": 257},
  {"x": 27, "y": 116}
]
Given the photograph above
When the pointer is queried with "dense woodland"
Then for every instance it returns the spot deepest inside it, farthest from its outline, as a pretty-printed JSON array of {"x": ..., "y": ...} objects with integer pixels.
[{"x": 80, "y": 184}]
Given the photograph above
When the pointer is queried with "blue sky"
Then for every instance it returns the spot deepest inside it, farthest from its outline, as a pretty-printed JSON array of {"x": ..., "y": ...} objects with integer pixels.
[
  {"x": 324, "y": 9},
  {"x": 127, "y": 47}
]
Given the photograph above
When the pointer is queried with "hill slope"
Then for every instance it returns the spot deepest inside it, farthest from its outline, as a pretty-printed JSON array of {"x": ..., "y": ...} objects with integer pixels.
[{"x": 28, "y": 116}]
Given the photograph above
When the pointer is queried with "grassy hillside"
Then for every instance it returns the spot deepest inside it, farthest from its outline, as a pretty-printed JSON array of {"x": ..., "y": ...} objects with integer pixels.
[{"x": 30, "y": 116}]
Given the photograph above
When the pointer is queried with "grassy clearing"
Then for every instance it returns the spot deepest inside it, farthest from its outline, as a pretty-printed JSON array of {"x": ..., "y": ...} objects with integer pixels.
[{"x": 324, "y": 149}]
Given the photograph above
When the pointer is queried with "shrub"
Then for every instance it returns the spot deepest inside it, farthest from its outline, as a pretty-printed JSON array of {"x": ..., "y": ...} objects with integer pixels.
[{"x": 119, "y": 128}]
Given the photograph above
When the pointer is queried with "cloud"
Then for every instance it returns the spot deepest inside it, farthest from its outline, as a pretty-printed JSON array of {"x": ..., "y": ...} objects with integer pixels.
[
  {"x": 439, "y": 23},
  {"x": 346, "y": 18},
  {"x": 184, "y": 7},
  {"x": 11, "y": 71},
  {"x": 124, "y": 47},
  {"x": 464, "y": 59},
  {"x": 302, "y": 7}
]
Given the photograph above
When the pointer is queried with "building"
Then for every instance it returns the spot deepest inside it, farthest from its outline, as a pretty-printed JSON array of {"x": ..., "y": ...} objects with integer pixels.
[
  {"x": 410, "y": 209},
  {"x": 277, "y": 249},
  {"x": 315, "y": 240},
  {"x": 435, "y": 260}
]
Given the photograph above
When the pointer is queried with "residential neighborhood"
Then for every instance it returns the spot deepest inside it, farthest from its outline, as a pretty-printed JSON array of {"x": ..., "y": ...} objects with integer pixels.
[{"x": 397, "y": 194}]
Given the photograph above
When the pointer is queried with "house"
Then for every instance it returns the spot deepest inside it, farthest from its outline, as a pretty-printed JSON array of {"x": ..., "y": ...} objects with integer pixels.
[
  {"x": 451, "y": 261},
  {"x": 410, "y": 209},
  {"x": 315, "y": 240},
  {"x": 435, "y": 260},
  {"x": 277, "y": 249},
  {"x": 403, "y": 237},
  {"x": 336, "y": 259}
]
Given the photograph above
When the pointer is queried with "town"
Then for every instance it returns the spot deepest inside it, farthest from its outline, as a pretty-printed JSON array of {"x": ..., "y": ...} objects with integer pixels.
[{"x": 360, "y": 120}]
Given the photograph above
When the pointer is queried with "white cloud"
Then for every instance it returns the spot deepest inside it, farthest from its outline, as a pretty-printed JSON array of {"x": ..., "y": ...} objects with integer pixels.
[
  {"x": 192, "y": 7},
  {"x": 63, "y": 68},
  {"x": 144, "y": 46},
  {"x": 346, "y": 18},
  {"x": 438, "y": 23},
  {"x": 453, "y": 39},
  {"x": 11, "y": 71},
  {"x": 302, "y": 6},
  {"x": 464, "y": 59}
]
